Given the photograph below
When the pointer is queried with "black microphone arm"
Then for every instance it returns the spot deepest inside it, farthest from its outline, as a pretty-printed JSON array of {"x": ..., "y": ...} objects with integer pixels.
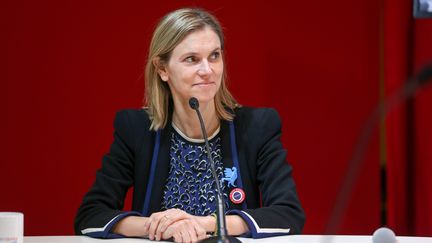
[
  {"x": 414, "y": 84},
  {"x": 221, "y": 234}
]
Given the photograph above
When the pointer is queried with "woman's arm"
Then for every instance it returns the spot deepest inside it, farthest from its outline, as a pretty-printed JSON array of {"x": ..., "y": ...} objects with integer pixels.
[
  {"x": 234, "y": 223},
  {"x": 280, "y": 211},
  {"x": 131, "y": 226},
  {"x": 101, "y": 207}
]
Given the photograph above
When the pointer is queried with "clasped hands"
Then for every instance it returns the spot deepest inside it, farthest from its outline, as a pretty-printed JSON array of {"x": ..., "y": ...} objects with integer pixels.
[
  {"x": 176, "y": 224},
  {"x": 173, "y": 224}
]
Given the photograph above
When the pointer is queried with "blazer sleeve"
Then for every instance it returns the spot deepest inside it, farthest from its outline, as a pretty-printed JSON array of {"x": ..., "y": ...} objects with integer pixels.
[
  {"x": 101, "y": 207},
  {"x": 281, "y": 212}
]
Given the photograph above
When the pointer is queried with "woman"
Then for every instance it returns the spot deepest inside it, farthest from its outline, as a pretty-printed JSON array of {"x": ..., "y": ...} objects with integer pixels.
[{"x": 160, "y": 150}]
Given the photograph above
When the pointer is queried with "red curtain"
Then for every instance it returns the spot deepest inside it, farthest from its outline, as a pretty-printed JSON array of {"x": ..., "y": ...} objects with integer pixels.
[
  {"x": 69, "y": 66},
  {"x": 407, "y": 47},
  {"x": 422, "y": 181}
]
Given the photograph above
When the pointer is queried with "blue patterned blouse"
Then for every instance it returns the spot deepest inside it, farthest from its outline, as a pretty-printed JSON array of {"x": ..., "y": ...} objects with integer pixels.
[{"x": 190, "y": 185}]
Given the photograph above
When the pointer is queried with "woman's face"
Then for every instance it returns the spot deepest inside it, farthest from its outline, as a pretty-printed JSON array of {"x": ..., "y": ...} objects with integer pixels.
[{"x": 195, "y": 67}]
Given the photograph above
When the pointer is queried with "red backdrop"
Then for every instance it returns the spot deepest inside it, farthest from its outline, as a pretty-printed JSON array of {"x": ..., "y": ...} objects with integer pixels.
[
  {"x": 68, "y": 66},
  {"x": 409, "y": 131}
]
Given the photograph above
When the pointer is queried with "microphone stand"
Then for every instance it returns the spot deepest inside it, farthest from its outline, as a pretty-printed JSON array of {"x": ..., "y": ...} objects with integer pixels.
[
  {"x": 354, "y": 165},
  {"x": 221, "y": 233}
]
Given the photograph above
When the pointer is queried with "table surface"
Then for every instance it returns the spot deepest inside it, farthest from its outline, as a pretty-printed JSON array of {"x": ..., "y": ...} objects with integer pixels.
[{"x": 290, "y": 238}]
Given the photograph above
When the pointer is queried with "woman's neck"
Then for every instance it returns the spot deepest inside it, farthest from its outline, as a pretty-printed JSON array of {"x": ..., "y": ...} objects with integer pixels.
[{"x": 186, "y": 119}]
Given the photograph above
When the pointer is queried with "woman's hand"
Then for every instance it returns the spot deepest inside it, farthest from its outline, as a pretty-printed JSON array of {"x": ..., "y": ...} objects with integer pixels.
[
  {"x": 185, "y": 230},
  {"x": 176, "y": 224},
  {"x": 158, "y": 222}
]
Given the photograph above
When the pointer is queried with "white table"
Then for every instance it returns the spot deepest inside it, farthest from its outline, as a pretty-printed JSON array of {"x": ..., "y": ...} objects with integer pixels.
[{"x": 289, "y": 239}]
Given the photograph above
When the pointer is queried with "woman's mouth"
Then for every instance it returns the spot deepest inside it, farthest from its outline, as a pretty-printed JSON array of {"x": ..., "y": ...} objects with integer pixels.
[{"x": 204, "y": 84}]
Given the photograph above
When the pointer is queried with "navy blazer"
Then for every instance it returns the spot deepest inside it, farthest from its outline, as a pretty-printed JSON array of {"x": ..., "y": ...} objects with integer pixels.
[{"x": 273, "y": 207}]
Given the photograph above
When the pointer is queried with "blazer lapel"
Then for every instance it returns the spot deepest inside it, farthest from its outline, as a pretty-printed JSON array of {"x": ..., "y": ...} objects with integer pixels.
[
  {"x": 227, "y": 160},
  {"x": 162, "y": 170}
]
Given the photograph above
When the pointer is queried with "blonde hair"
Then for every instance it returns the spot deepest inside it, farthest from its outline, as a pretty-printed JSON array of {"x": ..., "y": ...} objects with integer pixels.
[{"x": 170, "y": 31}]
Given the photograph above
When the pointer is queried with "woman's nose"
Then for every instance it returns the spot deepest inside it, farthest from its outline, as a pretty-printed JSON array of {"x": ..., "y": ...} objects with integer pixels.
[{"x": 204, "y": 68}]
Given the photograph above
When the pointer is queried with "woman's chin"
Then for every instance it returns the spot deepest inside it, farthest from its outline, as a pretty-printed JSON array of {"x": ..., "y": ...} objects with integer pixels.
[{"x": 204, "y": 97}]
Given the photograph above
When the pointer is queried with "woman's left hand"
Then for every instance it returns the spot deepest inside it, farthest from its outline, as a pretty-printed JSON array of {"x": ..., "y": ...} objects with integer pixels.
[
  {"x": 185, "y": 230},
  {"x": 158, "y": 222}
]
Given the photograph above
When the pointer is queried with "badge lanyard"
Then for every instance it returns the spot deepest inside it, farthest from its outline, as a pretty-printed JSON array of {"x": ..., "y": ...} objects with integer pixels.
[{"x": 154, "y": 160}]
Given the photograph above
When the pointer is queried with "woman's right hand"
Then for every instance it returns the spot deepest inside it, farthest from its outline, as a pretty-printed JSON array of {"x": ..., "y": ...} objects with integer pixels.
[{"x": 185, "y": 230}]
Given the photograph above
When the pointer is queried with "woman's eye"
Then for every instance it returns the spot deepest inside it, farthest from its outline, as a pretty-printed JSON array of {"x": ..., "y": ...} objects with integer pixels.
[
  {"x": 190, "y": 59},
  {"x": 215, "y": 55}
]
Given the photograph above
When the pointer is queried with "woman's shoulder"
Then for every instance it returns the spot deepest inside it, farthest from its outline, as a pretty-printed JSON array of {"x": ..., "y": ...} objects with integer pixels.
[
  {"x": 255, "y": 114},
  {"x": 258, "y": 121},
  {"x": 134, "y": 114},
  {"x": 133, "y": 118},
  {"x": 256, "y": 125}
]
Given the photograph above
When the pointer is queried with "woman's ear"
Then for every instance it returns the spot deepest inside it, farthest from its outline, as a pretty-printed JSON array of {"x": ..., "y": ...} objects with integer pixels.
[{"x": 161, "y": 68}]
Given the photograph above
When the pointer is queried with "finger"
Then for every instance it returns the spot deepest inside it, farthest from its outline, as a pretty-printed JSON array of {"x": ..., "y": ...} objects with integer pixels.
[
  {"x": 193, "y": 234},
  {"x": 179, "y": 231},
  {"x": 201, "y": 233},
  {"x": 172, "y": 230},
  {"x": 154, "y": 222},
  {"x": 168, "y": 233},
  {"x": 164, "y": 222},
  {"x": 177, "y": 237},
  {"x": 188, "y": 230},
  {"x": 185, "y": 233},
  {"x": 148, "y": 222}
]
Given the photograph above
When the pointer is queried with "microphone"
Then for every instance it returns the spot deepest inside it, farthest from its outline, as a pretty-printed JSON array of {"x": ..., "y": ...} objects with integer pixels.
[
  {"x": 384, "y": 235},
  {"x": 221, "y": 233},
  {"x": 414, "y": 84}
]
